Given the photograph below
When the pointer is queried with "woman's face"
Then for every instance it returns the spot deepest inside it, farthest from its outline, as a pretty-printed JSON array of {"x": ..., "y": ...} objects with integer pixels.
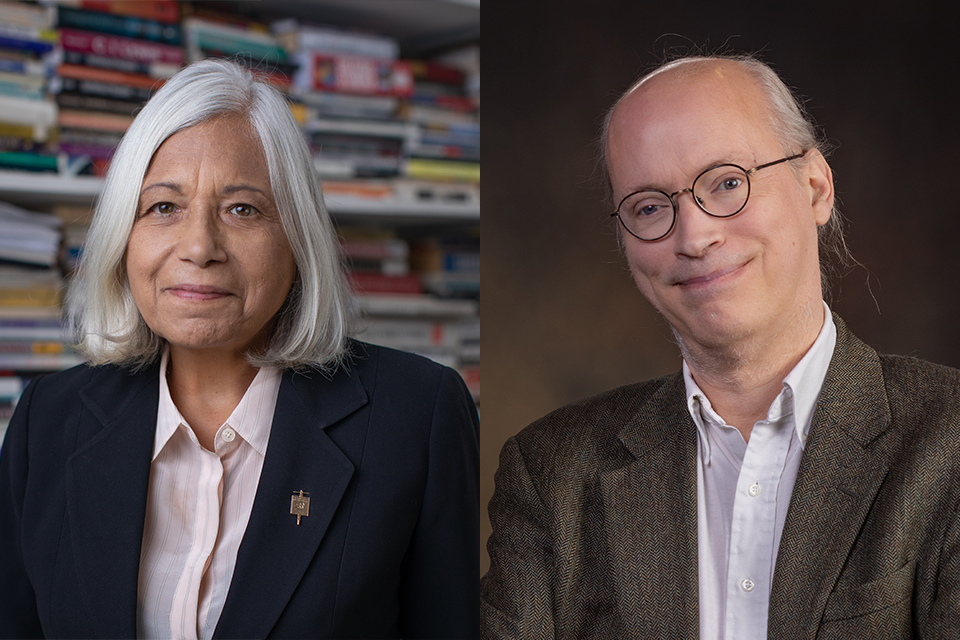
[{"x": 207, "y": 260}]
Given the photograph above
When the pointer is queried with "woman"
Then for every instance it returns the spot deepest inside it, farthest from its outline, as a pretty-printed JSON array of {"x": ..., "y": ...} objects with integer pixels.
[{"x": 228, "y": 463}]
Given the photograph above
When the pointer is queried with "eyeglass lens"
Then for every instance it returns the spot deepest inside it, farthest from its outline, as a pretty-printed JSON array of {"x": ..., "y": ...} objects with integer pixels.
[{"x": 720, "y": 191}]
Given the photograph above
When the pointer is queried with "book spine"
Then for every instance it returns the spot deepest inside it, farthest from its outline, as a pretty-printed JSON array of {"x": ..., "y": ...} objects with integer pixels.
[
  {"x": 130, "y": 27},
  {"x": 26, "y": 67},
  {"x": 361, "y": 76},
  {"x": 27, "y": 15},
  {"x": 380, "y": 283},
  {"x": 25, "y": 111},
  {"x": 33, "y": 46},
  {"x": 117, "y": 46},
  {"x": 160, "y": 10},
  {"x": 95, "y": 103},
  {"x": 442, "y": 169},
  {"x": 103, "y": 90},
  {"x": 83, "y": 72},
  {"x": 94, "y": 120},
  {"x": 343, "y": 43},
  {"x": 152, "y": 69}
]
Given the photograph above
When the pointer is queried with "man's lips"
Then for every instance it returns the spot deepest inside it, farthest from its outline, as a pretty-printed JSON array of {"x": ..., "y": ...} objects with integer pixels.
[
  {"x": 196, "y": 291},
  {"x": 703, "y": 278}
]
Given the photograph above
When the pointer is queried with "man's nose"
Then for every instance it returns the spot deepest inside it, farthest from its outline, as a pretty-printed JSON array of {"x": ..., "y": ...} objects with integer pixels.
[{"x": 695, "y": 231}]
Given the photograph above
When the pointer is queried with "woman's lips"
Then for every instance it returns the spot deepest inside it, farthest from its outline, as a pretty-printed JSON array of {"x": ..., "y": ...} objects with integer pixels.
[{"x": 196, "y": 291}]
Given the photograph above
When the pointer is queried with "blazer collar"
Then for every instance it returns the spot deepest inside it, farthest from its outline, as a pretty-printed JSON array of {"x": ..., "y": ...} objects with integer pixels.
[
  {"x": 276, "y": 552},
  {"x": 842, "y": 468},
  {"x": 108, "y": 479},
  {"x": 650, "y": 518}
]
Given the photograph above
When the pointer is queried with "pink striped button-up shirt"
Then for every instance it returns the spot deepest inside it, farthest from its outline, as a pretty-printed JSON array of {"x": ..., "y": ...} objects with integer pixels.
[{"x": 198, "y": 506}]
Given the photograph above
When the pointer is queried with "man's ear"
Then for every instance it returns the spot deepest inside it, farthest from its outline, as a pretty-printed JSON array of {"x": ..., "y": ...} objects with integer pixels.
[{"x": 818, "y": 183}]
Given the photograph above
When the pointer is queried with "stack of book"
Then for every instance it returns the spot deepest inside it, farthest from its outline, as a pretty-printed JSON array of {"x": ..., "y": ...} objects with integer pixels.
[
  {"x": 448, "y": 266},
  {"x": 448, "y": 147},
  {"x": 377, "y": 262},
  {"x": 212, "y": 34},
  {"x": 447, "y": 331},
  {"x": 27, "y": 118},
  {"x": 114, "y": 56}
]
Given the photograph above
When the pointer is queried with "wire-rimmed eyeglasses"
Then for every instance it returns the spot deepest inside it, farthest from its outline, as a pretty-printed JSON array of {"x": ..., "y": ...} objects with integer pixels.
[{"x": 720, "y": 191}]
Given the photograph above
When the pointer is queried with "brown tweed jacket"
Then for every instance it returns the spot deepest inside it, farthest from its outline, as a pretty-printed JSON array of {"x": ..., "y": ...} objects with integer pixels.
[{"x": 595, "y": 519}]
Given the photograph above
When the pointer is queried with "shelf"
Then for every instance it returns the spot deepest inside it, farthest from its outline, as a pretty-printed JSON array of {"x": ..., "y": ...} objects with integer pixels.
[{"x": 41, "y": 190}]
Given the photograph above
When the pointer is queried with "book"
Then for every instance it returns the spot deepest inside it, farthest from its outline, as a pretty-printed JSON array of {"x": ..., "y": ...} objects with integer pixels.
[
  {"x": 100, "y": 89},
  {"x": 120, "y": 47},
  {"x": 97, "y": 74},
  {"x": 160, "y": 10},
  {"x": 128, "y": 26},
  {"x": 151, "y": 69},
  {"x": 98, "y": 120},
  {"x": 96, "y": 103},
  {"x": 379, "y": 283},
  {"x": 26, "y": 161},
  {"x": 202, "y": 35},
  {"x": 340, "y": 105},
  {"x": 296, "y": 37},
  {"x": 359, "y": 76},
  {"x": 27, "y": 38},
  {"x": 23, "y": 86},
  {"x": 442, "y": 169},
  {"x": 27, "y": 15}
]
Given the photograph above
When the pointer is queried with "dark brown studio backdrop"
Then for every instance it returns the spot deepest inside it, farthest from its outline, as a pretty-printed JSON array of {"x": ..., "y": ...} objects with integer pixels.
[{"x": 561, "y": 317}]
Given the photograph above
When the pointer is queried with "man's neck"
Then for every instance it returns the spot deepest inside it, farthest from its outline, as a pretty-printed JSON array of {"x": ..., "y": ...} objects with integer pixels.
[{"x": 743, "y": 380}]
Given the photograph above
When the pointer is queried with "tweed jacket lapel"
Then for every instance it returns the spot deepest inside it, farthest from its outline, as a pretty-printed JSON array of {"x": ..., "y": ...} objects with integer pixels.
[
  {"x": 107, "y": 482},
  {"x": 276, "y": 552},
  {"x": 650, "y": 519},
  {"x": 843, "y": 465}
]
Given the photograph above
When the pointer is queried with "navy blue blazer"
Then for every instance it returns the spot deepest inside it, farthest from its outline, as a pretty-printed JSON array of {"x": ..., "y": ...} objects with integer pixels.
[{"x": 386, "y": 447}]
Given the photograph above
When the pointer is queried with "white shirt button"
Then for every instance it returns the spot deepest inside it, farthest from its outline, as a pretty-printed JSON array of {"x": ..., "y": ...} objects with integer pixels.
[
  {"x": 754, "y": 489},
  {"x": 228, "y": 434},
  {"x": 748, "y": 585}
]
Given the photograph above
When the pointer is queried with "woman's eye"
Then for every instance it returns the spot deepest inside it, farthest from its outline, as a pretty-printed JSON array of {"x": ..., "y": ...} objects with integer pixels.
[
  {"x": 164, "y": 208},
  {"x": 243, "y": 210}
]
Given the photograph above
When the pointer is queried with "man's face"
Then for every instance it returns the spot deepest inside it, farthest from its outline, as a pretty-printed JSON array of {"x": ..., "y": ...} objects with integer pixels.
[{"x": 719, "y": 281}]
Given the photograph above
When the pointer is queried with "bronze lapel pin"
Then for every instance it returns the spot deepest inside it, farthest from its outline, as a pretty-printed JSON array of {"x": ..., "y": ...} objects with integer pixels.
[{"x": 300, "y": 505}]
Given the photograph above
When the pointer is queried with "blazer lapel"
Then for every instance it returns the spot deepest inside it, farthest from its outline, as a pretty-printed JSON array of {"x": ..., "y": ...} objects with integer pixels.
[
  {"x": 842, "y": 468},
  {"x": 107, "y": 483},
  {"x": 650, "y": 519},
  {"x": 276, "y": 552}
]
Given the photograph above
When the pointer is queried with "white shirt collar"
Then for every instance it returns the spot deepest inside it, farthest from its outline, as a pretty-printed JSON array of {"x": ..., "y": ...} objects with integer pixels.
[
  {"x": 252, "y": 418},
  {"x": 801, "y": 388}
]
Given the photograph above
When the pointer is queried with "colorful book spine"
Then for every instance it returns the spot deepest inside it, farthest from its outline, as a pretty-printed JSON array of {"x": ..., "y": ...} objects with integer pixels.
[
  {"x": 118, "y": 46},
  {"x": 152, "y": 69},
  {"x": 102, "y": 90},
  {"x": 127, "y": 26},
  {"x": 83, "y": 72},
  {"x": 361, "y": 76},
  {"x": 160, "y": 10}
]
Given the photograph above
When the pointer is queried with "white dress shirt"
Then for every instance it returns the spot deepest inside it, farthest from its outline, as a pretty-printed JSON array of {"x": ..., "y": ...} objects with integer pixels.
[
  {"x": 743, "y": 491},
  {"x": 198, "y": 506}
]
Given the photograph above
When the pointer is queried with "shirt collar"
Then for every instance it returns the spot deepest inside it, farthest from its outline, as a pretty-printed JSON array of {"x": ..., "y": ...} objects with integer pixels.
[
  {"x": 251, "y": 419},
  {"x": 801, "y": 389}
]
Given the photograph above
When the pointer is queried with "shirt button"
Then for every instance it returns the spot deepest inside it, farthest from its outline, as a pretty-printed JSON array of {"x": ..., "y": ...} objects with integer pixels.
[
  {"x": 754, "y": 489},
  {"x": 748, "y": 585},
  {"x": 228, "y": 434}
]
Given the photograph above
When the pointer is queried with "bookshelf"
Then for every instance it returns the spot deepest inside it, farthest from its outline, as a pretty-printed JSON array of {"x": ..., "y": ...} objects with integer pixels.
[{"x": 415, "y": 209}]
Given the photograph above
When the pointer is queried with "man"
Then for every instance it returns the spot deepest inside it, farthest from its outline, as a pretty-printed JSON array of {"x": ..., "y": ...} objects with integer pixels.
[{"x": 660, "y": 510}]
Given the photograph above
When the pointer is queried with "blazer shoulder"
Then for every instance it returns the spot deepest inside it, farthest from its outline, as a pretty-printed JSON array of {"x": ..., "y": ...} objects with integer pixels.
[
  {"x": 921, "y": 392},
  {"x": 592, "y": 427},
  {"x": 383, "y": 368}
]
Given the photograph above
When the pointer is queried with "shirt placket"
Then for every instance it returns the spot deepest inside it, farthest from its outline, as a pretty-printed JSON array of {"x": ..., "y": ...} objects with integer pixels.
[{"x": 753, "y": 531}]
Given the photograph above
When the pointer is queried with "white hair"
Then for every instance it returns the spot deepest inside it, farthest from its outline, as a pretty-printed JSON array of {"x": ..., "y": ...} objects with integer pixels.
[{"x": 312, "y": 324}]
